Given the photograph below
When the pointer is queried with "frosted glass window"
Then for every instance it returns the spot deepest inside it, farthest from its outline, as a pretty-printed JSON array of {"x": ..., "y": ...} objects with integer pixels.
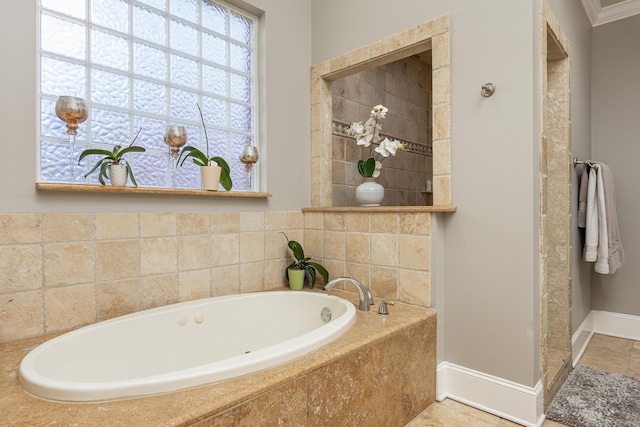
[
  {"x": 109, "y": 88},
  {"x": 113, "y": 14},
  {"x": 62, "y": 36},
  {"x": 149, "y": 25},
  {"x": 145, "y": 64},
  {"x": 109, "y": 50},
  {"x": 73, "y": 8}
]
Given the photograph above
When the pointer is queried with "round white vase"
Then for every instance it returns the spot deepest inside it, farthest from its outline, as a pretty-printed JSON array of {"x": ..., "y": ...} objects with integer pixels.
[
  {"x": 118, "y": 175},
  {"x": 369, "y": 193}
]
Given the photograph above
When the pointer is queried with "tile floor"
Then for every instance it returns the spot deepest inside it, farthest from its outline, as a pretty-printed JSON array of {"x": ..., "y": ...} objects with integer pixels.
[{"x": 605, "y": 353}]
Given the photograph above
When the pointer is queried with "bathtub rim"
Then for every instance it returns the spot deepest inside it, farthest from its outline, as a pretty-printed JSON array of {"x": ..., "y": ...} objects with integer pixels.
[{"x": 42, "y": 387}]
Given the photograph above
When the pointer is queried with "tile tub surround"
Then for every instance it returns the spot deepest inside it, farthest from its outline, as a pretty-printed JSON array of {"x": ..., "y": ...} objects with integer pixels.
[
  {"x": 386, "y": 365},
  {"x": 62, "y": 271},
  {"x": 389, "y": 251}
]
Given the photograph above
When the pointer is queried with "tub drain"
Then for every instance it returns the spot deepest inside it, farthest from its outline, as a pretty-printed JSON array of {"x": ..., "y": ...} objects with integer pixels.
[{"x": 325, "y": 314}]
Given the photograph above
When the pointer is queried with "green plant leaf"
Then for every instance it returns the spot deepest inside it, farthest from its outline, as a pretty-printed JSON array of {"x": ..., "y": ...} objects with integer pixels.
[
  {"x": 312, "y": 273},
  {"x": 103, "y": 172},
  {"x": 369, "y": 167},
  {"x": 92, "y": 151},
  {"x": 323, "y": 271},
  {"x": 297, "y": 250},
  {"x": 105, "y": 160},
  {"x": 361, "y": 167},
  {"x": 131, "y": 149},
  {"x": 225, "y": 174},
  {"x": 199, "y": 158},
  {"x": 130, "y": 172}
]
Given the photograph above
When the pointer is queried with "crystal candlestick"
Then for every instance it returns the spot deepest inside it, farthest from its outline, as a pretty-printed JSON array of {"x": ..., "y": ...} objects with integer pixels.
[
  {"x": 175, "y": 137},
  {"x": 249, "y": 156},
  {"x": 72, "y": 111}
]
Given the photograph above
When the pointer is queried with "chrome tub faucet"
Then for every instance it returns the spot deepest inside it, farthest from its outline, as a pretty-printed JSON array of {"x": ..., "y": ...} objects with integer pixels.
[{"x": 364, "y": 294}]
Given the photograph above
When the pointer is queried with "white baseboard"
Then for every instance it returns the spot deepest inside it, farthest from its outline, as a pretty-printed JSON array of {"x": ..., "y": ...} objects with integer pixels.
[
  {"x": 506, "y": 399},
  {"x": 616, "y": 324},
  {"x": 581, "y": 338},
  {"x": 606, "y": 323},
  {"x": 513, "y": 401}
]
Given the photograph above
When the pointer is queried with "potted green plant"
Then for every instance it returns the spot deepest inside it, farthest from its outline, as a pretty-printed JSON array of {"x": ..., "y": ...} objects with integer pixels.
[
  {"x": 113, "y": 165},
  {"x": 302, "y": 267},
  {"x": 211, "y": 174}
]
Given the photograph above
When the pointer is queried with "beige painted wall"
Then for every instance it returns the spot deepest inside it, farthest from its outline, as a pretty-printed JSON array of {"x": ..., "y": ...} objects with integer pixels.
[
  {"x": 491, "y": 258},
  {"x": 615, "y": 112},
  {"x": 286, "y": 121}
]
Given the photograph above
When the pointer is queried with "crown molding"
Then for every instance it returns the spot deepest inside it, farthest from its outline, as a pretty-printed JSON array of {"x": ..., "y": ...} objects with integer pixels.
[{"x": 599, "y": 15}]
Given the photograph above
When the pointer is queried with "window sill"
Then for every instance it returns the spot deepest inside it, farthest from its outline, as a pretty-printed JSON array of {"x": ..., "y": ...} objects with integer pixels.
[{"x": 50, "y": 186}]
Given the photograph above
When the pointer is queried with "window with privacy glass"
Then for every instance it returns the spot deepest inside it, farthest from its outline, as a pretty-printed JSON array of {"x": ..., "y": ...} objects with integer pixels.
[{"x": 147, "y": 64}]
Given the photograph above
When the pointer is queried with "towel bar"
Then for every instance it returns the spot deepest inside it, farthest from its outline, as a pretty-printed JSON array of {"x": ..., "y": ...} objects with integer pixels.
[{"x": 579, "y": 162}]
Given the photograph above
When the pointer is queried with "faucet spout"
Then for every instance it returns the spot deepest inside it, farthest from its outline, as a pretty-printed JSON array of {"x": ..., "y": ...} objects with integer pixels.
[{"x": 364, "y": 294}]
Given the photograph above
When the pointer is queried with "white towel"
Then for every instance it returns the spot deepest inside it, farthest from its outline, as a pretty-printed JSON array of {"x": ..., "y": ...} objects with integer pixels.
[
  {"x": 591, "y": 225},
  {"x": 602, "y": 263}
]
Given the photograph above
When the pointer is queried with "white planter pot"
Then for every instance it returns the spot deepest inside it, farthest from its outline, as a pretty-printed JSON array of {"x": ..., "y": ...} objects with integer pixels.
[
  {"x": 210, "y": 177},
  {"x": 118, "y": 175},
  {"x": 369, "y": 193}
]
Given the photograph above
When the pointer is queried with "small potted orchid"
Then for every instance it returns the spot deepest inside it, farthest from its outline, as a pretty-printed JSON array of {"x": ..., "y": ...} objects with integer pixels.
[
  {"x": 214, "y": 170},
  {"x": 113, "y": 165},
  {"x": 370, "y": 193}
]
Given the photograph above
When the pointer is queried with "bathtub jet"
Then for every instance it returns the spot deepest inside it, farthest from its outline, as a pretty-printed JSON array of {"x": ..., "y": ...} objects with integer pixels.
[{"x": 183, "y": 345}]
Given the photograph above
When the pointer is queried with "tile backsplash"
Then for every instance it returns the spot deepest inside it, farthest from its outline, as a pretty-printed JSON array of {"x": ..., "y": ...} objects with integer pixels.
[{"x": 62, "y": 271}]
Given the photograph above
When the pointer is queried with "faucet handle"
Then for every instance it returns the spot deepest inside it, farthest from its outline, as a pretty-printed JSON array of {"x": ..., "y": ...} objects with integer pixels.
[{"x": 382, "y": 309}]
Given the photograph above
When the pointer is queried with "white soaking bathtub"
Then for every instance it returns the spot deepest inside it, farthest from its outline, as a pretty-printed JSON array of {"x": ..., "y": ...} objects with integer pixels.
[{"x": 183, "y": 345}]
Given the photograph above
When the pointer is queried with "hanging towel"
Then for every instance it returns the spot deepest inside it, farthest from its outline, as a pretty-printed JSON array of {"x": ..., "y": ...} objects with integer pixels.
[
  {"x": 582, "y": 197},
  {"x": 602, "y": 237},
  {"x": 602, "y": 261},
  {"x": 615, "y": 255},
  {"x": 590, "y": 253}
]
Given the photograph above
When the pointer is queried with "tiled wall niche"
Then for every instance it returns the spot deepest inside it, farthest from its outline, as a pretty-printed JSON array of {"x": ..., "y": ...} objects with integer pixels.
[
  {"x": 433, "y": 36},
  {"x": 404, "y": 87}
]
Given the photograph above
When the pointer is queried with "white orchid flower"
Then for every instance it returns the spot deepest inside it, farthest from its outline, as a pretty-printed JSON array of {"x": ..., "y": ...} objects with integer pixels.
[
  {"x": 364, "y": 140},
  {"x": 379, "y": 111},
  {"x": 376, "y": 171},
  {"x": 387, "y": 147},
  {"x": 355, "y": 128}
]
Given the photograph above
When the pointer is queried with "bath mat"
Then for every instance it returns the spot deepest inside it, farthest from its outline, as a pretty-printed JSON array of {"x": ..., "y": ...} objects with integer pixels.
[{"x": 592, "y": 398}]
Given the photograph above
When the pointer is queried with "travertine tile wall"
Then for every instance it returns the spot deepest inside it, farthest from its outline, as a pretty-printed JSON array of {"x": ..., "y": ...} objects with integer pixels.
[
  {"x": 388, "y": 251},
  {"x": 404, "y": 87},
  {"x": 555, "y": 204},
  {"x": 61, "y": 271}
]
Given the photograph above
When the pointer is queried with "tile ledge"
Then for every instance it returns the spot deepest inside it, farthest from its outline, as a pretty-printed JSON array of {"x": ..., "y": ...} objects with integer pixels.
[
  {"x": 380, "y": 209},
  {"x": 50, "y": 186}
]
